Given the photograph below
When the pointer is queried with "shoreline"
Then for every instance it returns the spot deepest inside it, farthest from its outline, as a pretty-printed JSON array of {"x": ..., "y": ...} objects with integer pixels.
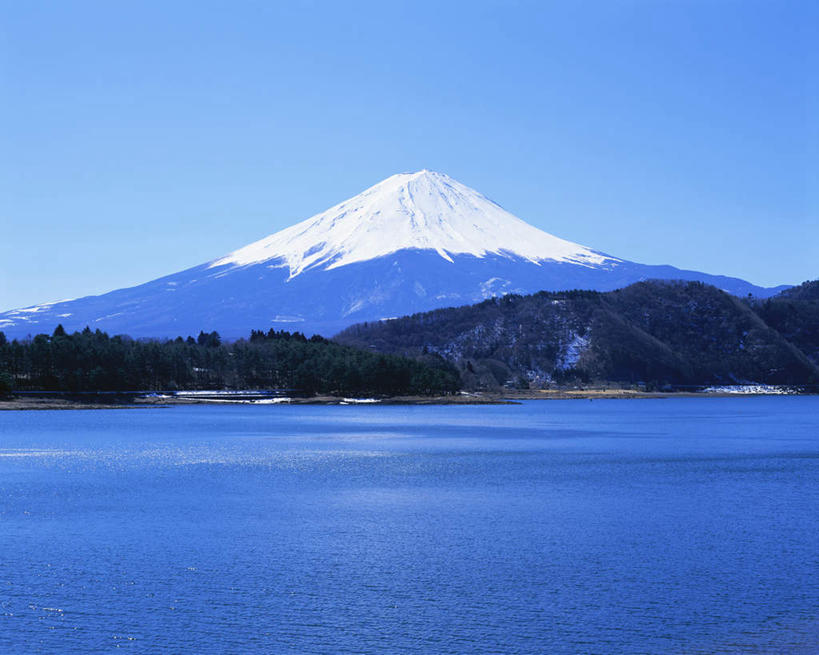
[
  {"x": 34, "y": 403},
  {"x": 128, "y": 401}
]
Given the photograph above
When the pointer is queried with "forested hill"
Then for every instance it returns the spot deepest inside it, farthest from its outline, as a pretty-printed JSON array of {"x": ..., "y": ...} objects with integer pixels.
[
  {"x": 794, "y": 313},
  {"x": 805, "y": 292},
  {"x": 94, "y": 361},
  {"x": 654, "y": 332}
]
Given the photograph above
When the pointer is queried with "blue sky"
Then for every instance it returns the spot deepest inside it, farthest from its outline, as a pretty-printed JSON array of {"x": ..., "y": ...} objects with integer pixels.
[{"x": 142, "y": 138}]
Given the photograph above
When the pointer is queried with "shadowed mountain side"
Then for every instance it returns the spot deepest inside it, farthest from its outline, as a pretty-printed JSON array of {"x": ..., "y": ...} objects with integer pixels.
[
  {"x": 655, "y": 332},
  {"x": 794, "y": 313}
]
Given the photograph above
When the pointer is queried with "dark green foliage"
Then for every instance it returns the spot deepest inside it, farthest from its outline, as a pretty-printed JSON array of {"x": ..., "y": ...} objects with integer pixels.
[
  {"x": 6, "y": 383},
  {"x": 208, "y": 339},
  {"x": 654, "y": 333},
  {"x": 94, "y": 361},
  {"x": 714, "y": 336},
  {"x": 808, "y": 290},
  {"x": 794, "y": 313}
]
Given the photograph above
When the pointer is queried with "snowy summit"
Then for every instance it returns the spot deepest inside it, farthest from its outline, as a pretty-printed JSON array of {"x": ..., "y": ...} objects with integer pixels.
[{"x": 425, "y": 211}]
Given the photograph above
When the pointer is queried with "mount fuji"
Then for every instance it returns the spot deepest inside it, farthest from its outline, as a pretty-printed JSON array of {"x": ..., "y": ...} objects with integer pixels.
[{"x": 413, "y": 242}]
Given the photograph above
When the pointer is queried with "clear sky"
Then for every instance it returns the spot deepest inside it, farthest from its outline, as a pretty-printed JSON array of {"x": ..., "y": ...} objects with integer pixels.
[{"x": 139, "y": 138}]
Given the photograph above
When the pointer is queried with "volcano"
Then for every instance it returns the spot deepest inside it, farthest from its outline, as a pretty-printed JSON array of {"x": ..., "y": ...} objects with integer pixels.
[{"x": 411, "y": 243}]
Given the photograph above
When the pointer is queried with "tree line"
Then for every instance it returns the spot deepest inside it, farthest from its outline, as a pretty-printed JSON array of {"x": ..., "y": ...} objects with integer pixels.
[{"x": 94, "y": 361}]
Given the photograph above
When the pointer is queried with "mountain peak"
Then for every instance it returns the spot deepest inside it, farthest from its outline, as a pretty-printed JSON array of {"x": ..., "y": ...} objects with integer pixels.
[
  {"x": 424, "y": 172},
  {"x": 425, "y": 210},
  {"x": 413, "y": 242}
]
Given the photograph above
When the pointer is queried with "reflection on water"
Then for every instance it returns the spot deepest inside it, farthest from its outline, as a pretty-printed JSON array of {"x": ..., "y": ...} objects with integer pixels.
[{"x": 677, "y": 526}]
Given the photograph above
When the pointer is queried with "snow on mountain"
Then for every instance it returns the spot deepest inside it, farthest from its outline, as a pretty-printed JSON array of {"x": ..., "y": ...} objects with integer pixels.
[
  {"x": 423, "y": 210},
  {"x": 414, "y": 242}
]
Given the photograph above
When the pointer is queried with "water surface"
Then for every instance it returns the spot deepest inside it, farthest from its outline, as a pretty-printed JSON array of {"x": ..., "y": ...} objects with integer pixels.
[{"x": 612, "y": 526}]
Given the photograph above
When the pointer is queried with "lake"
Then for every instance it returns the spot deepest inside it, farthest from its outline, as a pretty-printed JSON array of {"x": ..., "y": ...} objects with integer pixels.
[{"x": 606, "y": 526}]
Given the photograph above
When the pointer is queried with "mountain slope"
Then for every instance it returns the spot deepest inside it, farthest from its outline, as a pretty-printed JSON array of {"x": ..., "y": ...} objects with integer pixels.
[
  {"x": 794, "y": 313},
  {"x": 808, "y": 291},
  {"x": 410, "y": 243},
  {"x": 657, "y": 332},
  {"x": 417, "y": 211}
]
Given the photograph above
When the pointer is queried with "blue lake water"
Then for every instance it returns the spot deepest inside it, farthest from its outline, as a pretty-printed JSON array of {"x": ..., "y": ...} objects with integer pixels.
[{"x": 654, "y": 526}]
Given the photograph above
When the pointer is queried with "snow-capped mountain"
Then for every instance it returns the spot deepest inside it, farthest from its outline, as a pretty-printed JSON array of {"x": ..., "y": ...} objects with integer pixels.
[
  {"x": 413, "y": 242},
  {"x": 415, "y": 211}
]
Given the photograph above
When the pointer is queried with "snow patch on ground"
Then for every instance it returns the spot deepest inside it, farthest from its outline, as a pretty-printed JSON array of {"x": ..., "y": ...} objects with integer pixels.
[
  {"x": 751, "y": 389},
  {"x": 107, "y": 316},
  {"x": 571, "y": 355},
  {"x": 495, "y": 286}
]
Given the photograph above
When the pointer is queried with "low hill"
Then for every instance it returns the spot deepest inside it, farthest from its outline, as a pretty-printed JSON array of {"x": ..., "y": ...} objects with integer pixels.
[
  {"x": 794, "y": 313},
  {"x": 655, "y": 332},
  {"x": 807, "y": 291}
]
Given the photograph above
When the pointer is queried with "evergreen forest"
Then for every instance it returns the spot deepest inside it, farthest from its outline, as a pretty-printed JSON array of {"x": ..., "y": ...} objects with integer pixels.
[{"x": 94, "y": 361}]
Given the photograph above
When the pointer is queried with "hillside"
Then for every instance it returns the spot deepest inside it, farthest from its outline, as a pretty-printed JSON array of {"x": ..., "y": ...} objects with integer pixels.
[
  {"x": 807, "y": 291},
  {"x": 794, "y": 313},
  {"x": 653, "y": 332}
]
